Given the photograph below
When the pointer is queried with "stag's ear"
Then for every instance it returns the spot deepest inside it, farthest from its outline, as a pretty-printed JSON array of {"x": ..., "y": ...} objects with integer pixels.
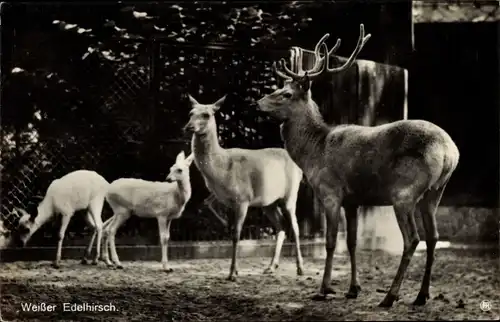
[
  {"x": 180, "y": 157},
  {"x": 193, "y": 100},
  {"x": 305, "y": 82},
  {"x": 218, "y": 104}
]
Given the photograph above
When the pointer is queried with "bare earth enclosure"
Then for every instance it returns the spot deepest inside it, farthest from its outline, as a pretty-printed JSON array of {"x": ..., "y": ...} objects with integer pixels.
[{"x": 197, "y": 290}]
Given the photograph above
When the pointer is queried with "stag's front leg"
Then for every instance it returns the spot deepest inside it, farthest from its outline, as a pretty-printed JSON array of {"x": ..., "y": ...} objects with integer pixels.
[
  {"x": 66, "y": 217},
  {"x": 241, "y": 213},
  {"x": 332, "y": 209},
  {"x": 351, "y": 216},
  {"x": 164, "y": 227},
  {"x": 275, "y": 216}
]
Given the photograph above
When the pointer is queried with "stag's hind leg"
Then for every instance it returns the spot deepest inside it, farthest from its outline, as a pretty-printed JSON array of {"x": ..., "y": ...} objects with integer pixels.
[
  {"x": 428, "y": 207},
  {"x": 404, "y": 211},
  {"x": 351, "y": 216},
  {"x": 276, "y": 217}
]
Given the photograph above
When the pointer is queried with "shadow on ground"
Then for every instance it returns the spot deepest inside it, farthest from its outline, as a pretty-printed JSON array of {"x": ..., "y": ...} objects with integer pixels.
[{"x": 197, "y": 290}]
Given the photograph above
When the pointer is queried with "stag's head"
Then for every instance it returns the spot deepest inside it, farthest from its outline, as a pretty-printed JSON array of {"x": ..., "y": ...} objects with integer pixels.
[
  {"x": 202, "y": 116},
  {"x": 180, "y": 170},
  {"x": 295, "y": 93}
]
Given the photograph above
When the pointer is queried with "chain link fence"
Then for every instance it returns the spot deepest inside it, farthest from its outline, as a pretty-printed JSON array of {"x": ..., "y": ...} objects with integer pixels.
[
  {"x": 128, "y": 124},
  {"x": 107, "y": 123}
]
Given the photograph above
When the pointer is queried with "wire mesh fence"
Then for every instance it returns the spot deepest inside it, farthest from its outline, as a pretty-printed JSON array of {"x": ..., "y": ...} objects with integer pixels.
[{"x": 128, "y": 124}]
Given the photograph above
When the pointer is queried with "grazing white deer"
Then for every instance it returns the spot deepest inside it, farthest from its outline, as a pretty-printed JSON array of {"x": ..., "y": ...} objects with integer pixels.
[
  {"x": 77, "y": 190},
  {"x": 242, "y": 178},
  {"x": 148, "y": 199},
  {"x": 406, "y": 164}
]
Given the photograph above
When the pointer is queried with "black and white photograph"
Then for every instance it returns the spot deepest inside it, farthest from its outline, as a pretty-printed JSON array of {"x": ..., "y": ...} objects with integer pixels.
[{"x": 250, "y": 161}]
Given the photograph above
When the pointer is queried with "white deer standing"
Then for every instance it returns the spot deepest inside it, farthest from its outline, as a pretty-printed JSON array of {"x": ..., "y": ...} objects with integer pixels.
[
  {"x": 243, "y": 178},
  {"x": 148, "y": 199},
  {"x": 77, "y": 190},
  {"x": 406, "y": 164}
]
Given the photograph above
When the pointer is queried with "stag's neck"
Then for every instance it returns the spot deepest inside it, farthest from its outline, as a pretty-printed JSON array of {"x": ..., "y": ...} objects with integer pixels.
[{"x": 305, "y": 135}]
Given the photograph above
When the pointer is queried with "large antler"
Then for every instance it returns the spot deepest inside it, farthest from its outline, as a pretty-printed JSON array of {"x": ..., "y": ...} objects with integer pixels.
[
  {"x": 321, "y": 64},
  {"x": 361, "y": 43}
]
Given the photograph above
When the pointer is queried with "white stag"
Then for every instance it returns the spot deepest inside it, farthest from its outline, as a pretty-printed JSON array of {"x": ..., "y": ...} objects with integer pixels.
[
  {"x": 164, "y": 201},
  {"x": 406, "y": 164},
  {"x": 243, "y": 178},
  {"x": 77, "y": 190}
]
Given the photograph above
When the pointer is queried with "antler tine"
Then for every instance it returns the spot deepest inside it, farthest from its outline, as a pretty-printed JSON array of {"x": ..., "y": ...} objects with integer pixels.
[
  {"x": 296, "y": 59},
  {"x": 287, "y": 70},
  {"x": 321, "y": 64},
  {"x": 280, "y": 73},
  {"x": 361, "y": 43},
  {"x": 318, "y": 55},
  {"x": 320, "y": 42},
  {"x": 335, "y": 48}
]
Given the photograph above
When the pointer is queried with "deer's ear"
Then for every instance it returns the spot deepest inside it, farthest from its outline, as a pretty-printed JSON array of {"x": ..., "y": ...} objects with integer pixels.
[
  {"x": 192, "y": 100},
  {"x": 180, "y": 157},
  {"x": 189, "y": 159},
  {"x": 219, "y": 103}
]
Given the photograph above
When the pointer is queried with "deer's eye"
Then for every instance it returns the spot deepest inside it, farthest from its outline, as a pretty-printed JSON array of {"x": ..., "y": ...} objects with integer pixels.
[
  {"x": 287, "y": 95},
  {"x": 205, "y": 115}
]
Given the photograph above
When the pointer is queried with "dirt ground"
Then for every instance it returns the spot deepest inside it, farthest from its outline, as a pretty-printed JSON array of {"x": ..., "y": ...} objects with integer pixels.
[{"x": 197, "y": 290}]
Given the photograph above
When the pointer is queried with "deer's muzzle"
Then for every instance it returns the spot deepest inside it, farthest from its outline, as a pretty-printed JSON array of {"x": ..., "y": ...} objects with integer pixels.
[{"x": 188, "y": 128}]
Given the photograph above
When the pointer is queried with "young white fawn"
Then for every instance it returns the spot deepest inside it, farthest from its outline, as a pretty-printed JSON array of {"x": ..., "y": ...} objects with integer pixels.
[
  {"x": 241, "y": 178},
  {"x": 405, "y": 164},
  {"x": 77, "y": 190},
  {"x": 148, "y": 199}
]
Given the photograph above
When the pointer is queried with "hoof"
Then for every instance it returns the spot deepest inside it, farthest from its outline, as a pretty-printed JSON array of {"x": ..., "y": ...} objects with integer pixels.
[
  {"x": 321, "y": 296},
  {"x": 388, "y": 301},
  {"x": 353, "y": 292},
  {"x": 110, "y": 265},
  {"x": 95, "y": 262},
  {"x": 56, "y": 265},
  {"x": 421, "y": 299},
  {"x": 300, "y": 271},
  {"x": 231, "y": 278},
  {"x": 318, "y": 297},
  {"x": 119, "y": 266},
  {"x": 168, "y": 270},
  {"x": 84, "y": 261},
  {"x": 269, "y": 271}
]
